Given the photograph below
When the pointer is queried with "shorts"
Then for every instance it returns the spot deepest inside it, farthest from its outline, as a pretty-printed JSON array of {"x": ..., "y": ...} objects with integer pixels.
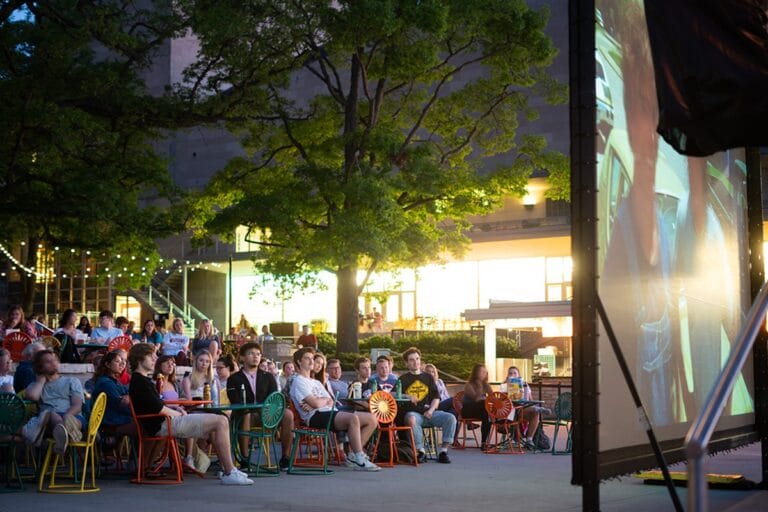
[
  {"x": 320, "y": 419},
  {"x": 78, "y": 417},
  {"x": 190, "y": 425}
]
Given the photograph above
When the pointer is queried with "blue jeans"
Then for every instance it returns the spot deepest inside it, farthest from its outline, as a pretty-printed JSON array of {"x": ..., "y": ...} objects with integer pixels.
[{"x": 444, "y": 420}]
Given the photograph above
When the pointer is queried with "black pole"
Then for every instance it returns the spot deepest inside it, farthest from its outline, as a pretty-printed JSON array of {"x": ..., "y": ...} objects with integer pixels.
[
  {"x": 643, "y": 416},
  {"x": 586, "y": 364}
]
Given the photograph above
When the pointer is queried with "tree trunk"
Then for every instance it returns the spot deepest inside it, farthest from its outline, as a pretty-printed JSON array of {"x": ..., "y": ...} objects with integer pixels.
[
  {"x": 346, "y": 310},
  {"x": 30, "y": 283}
]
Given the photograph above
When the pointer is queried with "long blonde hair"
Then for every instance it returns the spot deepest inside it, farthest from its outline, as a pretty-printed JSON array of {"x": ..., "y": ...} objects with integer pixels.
[
  {"x": 201, "y": 335},
  {"x": 198, "y": 378}
]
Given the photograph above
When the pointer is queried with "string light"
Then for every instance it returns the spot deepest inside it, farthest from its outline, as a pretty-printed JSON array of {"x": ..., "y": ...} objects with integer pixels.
[{"x": 17, "y": 263}]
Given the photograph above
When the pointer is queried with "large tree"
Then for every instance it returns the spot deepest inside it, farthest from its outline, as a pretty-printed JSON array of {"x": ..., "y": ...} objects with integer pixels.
[
  {"x": 373, "y": 128},
  {"x": 77, "y": 128}
]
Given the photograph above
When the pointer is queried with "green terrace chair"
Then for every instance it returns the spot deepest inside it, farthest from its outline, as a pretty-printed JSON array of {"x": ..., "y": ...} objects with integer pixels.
[
  {"x": 12, "y": 415},
  {"x": 305, "y": 433},
  {"x": 271, "y": 416},
  {"x": 563, "y": 418}
]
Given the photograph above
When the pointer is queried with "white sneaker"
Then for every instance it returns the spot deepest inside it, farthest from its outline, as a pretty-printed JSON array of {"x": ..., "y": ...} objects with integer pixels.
[
  {"x": 365, "y": 464},
  {"x": 236, "y": 478},
  {"x": 350, "y": 462},
  {"x": 61, "y": 436},
  {"x": 235, "y": 470},
  {"x": 189, "y": 461}
]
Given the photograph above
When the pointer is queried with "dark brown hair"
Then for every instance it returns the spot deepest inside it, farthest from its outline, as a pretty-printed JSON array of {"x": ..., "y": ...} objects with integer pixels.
[
  {"x": 249, "y": 346},
  {"x": 137, "y": 354},
  {"x": 300, "y": 353},
  {"x": 412, "y": 350}
]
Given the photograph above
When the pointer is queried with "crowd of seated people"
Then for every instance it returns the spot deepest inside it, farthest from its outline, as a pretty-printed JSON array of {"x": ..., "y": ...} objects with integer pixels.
[{"x": 309, "y": 381}]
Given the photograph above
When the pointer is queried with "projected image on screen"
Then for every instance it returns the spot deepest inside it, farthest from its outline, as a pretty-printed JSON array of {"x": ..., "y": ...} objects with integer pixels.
[{"x": 671, "y": 235}]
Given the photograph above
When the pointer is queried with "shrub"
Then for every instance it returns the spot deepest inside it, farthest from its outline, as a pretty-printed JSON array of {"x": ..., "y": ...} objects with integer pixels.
[{"x": 454, "y": 353}]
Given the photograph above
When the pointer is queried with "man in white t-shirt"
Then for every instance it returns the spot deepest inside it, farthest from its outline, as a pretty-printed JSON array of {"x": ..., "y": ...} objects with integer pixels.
[{"x": 316, "y": 407}]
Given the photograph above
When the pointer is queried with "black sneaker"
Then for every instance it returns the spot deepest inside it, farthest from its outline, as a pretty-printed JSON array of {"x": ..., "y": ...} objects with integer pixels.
[
  {"x": 422, "y": 458},
  {"x": 284, "y": 463},
  {"x": 443, "y": 458}
]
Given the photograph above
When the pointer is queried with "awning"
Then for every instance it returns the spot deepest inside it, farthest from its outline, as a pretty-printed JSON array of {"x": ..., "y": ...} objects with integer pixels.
[{"x": 502, "y": 310}]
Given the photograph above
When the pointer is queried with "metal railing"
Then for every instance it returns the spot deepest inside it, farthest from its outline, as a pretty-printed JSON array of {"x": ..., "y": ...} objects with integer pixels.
[
  {"x": 700, "y": 433},
  {"x": 175, "y": 301}
]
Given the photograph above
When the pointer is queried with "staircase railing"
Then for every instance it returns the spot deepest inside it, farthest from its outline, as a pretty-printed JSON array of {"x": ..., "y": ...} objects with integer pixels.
[
  {"x": 700, "y": 433},
  {"x": 177, "y": 301}
]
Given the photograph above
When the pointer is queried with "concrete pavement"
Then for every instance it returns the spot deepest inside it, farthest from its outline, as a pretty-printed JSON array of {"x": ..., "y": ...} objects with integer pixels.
[{"x": 473, "y": 482}]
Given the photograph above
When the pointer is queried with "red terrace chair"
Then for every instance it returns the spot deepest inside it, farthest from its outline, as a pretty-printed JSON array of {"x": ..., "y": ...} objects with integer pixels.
[
  {"x": 151, "y": 471},
  {"x": 461, "y": 431},
  {"x": 499, "y": 408},
  {"x": 384, "y": 408},
  {"x": 123, "y": 342},
  {"x": 15, "y": 343},
  {"x": 313, "y": 443}
]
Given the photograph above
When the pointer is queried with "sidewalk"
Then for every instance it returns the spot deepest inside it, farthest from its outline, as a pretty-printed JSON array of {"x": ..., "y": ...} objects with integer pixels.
[{"x": 474, "y": 481}]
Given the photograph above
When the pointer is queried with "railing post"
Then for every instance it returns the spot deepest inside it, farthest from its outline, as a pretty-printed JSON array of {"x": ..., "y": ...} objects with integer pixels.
[{"x": 700, "y": 432}]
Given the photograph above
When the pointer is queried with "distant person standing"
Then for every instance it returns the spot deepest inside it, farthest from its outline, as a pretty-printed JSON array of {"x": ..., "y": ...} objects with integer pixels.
[
  {"x": 265, "y": 335},
  {"x": 243, "y": 326},
  {"x": 307, "y": 338}
]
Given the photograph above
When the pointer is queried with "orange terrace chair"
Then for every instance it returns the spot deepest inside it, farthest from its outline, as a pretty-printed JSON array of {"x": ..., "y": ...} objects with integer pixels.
[
  {"x": 15, "y": 343},
  {"x": 123, "y": 342},
  {"x": 463, "y": 423},
  {"x": 504, "y": 424},
  {"x": 384, "y": 408},
  {"x": 150, "y": 471}
]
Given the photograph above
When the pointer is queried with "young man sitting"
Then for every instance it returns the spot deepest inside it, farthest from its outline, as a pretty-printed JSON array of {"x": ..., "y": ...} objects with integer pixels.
[
  {"x": 338, "y": 386},
  {"x": 258, "y": 385},
  {"x": 61, "y": 402},
  {"x": 146, "y": 400},
  {"x": 106, "y": 330},
  {"x": 317, "y": 407},
  {"x": 384, "y": 377},
  {"x": 422, "y": 410},
  {"x": 363, "y": 369}
]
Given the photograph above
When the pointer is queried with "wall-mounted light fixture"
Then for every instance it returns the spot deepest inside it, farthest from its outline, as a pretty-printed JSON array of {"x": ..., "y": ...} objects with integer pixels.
[{"x": 529, "y": 201}]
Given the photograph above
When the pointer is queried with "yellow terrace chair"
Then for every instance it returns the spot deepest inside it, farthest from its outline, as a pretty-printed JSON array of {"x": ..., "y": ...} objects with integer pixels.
[{"x": 89, "y": 457}]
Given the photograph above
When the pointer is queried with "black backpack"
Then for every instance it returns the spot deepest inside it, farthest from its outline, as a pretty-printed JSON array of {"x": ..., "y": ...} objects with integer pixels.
[{"x": 541, "y": 440}]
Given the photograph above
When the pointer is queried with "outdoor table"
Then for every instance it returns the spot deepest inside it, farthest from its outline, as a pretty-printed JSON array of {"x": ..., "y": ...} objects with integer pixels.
[
  {"x": 238, "y": 413},
  {"x": 91, "y": 345},
  {"x": 188, "y": 403}
]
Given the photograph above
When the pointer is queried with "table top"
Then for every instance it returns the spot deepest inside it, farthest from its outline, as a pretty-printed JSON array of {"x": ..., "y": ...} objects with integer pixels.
[
  {"x": 188, "y": 403},
  {"x": 233, "y": 407},
  {"x": 90, "y": 345}
]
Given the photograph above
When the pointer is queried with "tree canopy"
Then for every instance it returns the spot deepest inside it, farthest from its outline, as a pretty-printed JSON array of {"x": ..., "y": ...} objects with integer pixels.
[
  {"x": 373, "y": 128},
  {"x": 78, "y": 126}
]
